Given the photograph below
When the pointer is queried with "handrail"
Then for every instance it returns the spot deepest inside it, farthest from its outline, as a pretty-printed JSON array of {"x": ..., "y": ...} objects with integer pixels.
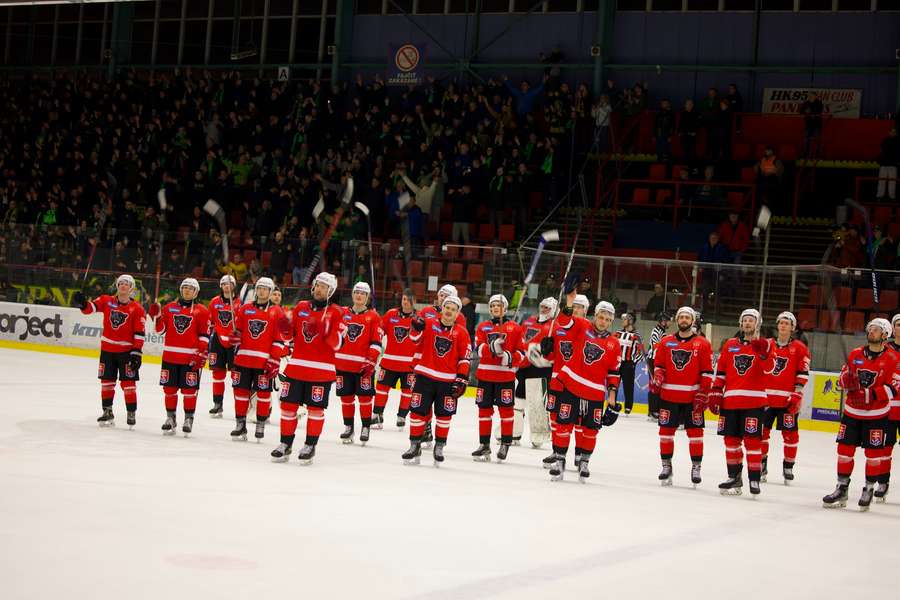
[{"x": 857, "y": 184}]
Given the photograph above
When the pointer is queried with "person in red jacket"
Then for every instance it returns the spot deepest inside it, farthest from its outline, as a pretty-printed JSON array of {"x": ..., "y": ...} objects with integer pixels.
[
  {"x": 590, "y": 378},
  {"x": 121, "y": 346},
  {"x": 318, "y": 332},
  {"x": 258, "y": 339},
  {"x": 497, "y": 345},
  {"x": 739, "y": 398},
  {"x": 397, "y": 360},
  {"x": 682, "y": 378},
  {"x": 441, "y": 377},
  {"x": 884, "y": 480},
  {"x": 734, "y": 235},
  {"x": 871, "y": 382},
  {"x": 785, "y": 394},
  {"x": 533, "y": 376},
  {"x": 221, "y": 314},
  {"x": 185, "y": 323},
  {"x": 355, "y": 363}
]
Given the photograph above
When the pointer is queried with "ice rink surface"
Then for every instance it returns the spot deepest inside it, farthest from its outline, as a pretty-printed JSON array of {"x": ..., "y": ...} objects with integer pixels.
[{"x": 96, "y": 513}]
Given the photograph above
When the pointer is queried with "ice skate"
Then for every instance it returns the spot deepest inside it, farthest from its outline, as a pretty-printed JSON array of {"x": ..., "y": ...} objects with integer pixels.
[
  {"x": 168, "y": 427},
  {"x": 130, "y": 420},
  {"x": 576, "y": 464},
  {"x": 364, "y": 435},
  {"x": 627, "y": 411},
  {"x": 482, "y": 453},
  {"x": 260, "y": 432},
  {"x": 764, "y": 475},
  {"x": 516, "y": 441},
  {"x": 502, "y": 452},
  {"x": 865, "y": 500},
  {"x": 188, "y": 426},
  {"x": 787, "y": 471},
  {"x": 665, "y": 476},
  {"x": 733, "y": 486},
  {"x": 558, "y": 469},
  {"x": 412, "y": 456},
  {"x": 548, "y": 461},
  {"x": 881, "y": 492},
  {"x": 837, "y": 498},
  {"x": 427, "y": 437},
  {"x": 347, "y": 436},
  {"x": 695, "y": 474},
  {"x": 377, "y": 421},
  {"x": 755, "y": 488},
  {"x": 281, "y": 453},
  {"x": 240, "y": 430},
  {"x": 438, "y": 453},
  {"x": 216, "y": 411},
  {"x": 584, "y": 472},
  {"x": 401, "y": 422},
  {"x": 107, "y": 419},
  {"x": 306, "y": 454}
]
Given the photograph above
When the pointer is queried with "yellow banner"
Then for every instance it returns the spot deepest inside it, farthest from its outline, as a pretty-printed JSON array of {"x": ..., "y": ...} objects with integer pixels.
[{"x": 826, "y": 402}]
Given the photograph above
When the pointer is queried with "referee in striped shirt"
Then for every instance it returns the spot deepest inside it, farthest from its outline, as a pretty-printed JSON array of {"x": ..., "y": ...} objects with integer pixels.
[
  {"x": 662, "y": 325},
  {"x": 632, "y": 347}
]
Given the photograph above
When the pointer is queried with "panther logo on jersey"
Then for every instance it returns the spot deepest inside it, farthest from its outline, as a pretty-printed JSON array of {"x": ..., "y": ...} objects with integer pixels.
[
  {"x": 565, "y": 348},
  {"x": 308, "y": 334},
  {"x": 743, "y": 362},
  {"x": 780, "y": 364},
  {"x": 866, "y": 377},
  {"x": 592, "y": 353},
  {"x": 117, "y": 318},
  {"x": 530, "y": 333},
  {"x": 354, "y": 330},
  {"x": 681, "y": 358},
  {"x": 256, "y": 327},
  {"x": 442, "y": 346},
  {"x": 401, "y": 333},
  {"x": 182, "y": 322},
  {"x": 225, "y": 318}
]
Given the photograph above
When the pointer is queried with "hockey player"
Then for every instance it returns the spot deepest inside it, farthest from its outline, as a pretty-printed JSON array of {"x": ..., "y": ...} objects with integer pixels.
[
  {"x": 580, "y": 306},
  {"x": 318, "y": 332},
  {"x": 397, "y": 360},
  {"x": 871, "y": 381},
  {"x": 121, "y": 346},
  {"x": 785, "y": 394},
  {"x": 259, "y": 342},
  {"x": 632, "y": 349},
  {"x": 884, "y": 480},
  {"x": 355, "y": 363},
  {"x": 185, "y": 323},
  {"x": 436, "y": 310},
  {"x": 221, "y": 359},
  {"x": 682, "y": 378},
  {"x": 659, "y": 331},
  {"x": 497, "y": 344},
  {"x": 441, "y": 377},
  {"x": 739, "y": 398},
  {"x": 589, "y": 378},
  {"x": 533, "y": 376}
]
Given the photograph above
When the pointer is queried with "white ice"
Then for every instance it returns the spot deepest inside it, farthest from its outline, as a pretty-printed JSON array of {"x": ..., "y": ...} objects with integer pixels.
[{"x": 96, "y": 513}]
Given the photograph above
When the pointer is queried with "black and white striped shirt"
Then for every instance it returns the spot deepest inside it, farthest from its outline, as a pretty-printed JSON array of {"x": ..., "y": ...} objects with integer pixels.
[
  {"x": 631, "y": 344},
  {"x": 655, "y": 336}
]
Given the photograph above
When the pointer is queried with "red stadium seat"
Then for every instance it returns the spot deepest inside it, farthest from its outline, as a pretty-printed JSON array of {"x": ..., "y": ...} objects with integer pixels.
[
  {"x": 415, "y": 269},
  {"x": 471, "y": 253},
  {"x": 486, "y": 232},
  {"x": 829, "y": 321},
  {"x": 641, "y": 196},
  {"x": 844, "y": 297},
  {"x": 454, "y": 272},
  {"x": 806, "y": 318},
  {"x": 474, "y": 273},
  {"x": 657, "y": 171},
  {"x": 435, "y": 268},
  {"x": 865, "y": 299},
  {"x": 507, "y": 233},
  {"x": 854, "y": 321}
]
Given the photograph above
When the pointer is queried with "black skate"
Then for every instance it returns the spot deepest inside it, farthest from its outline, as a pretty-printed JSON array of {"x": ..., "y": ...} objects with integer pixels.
[
  {"x": 558, "y": 469},
  {"x": 281, "y": 453},
  {"x": 428, "y": 436},
  {"x": 364, "y": 435},
  {"x": 548, "y": 461},
  {"x": 695, "y": 474},
  {"x": 168, "y": 427},
  {"x": 881, "y": 492},
  {"x": 438, "y": 453},
  {"x": 837, "y": 498},
  {"x": 665, "y": 476},
  {"x": 517, "y": 441},
  {"x": 107, "y": 419},
  {"x": 260, "y": 432},
  {"x": 584, "y": 472},
  {"x": 482, "y": 453},
  {"x": 240, "y": 430},
  {"x": 130, "y": 419},
  {"x": 401, "y": 422},
  {"x": 764, "y": 475},
  {"x": 188, "y": 426},
  {"x": 502, "y": 452},
  {"x": 377, "y": 421},
  {"x": 787, "y": 471},
  {"x": 577, "y": 462},
  {"x": 216, "y": 411},
  {"x": 347, "y": 436},
  {"x": 733, "y": 486},
  {"x": 627, "y": 411},
  {"x": 412, "y": 456},
  {"x": 306, "y": 454},
  {"x": 755, "y": 487},
  {"x": 866, "y": 498}
]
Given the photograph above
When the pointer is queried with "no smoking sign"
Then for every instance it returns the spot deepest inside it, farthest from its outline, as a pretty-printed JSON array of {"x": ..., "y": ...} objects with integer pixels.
[{"x": 406, "y": 58}]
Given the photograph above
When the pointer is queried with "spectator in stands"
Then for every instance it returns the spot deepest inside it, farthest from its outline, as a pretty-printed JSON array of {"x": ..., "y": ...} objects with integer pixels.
[
  {"x": 735, "y": 100},
  {"x": 635, "y": 103},
  {"x": 714, "y": 251},
  {"x": 688, "y": 126},
  {"x": 850, "y": 248},
  {"x": 664, "y": 127},
  {"x": 415, "y": 222},
  {"x": 280, "y": 254},
  {"x": 394, "y": 201},
  {"x": 888, "y": 159},
  {"x": 720, "y": 138},
  {"x": 425, "y": 190},
  {"x": 463, "y": 211},
  {"x": 601, "y": 112},
  {"x": 525, "y": 96},
  {"x": 811, "y": 110},
  {"x": 735, "y": 235},
  {"x": 769, "y": 172},
  {"x": 883, "y": 249},
  {"x": 709, "y": 112},
  {"x": 236, "y": 267},
  {"x": 708, "y": 194},
  {"x": 656, "y": 303},
  {"x": 173, "y": 265}
]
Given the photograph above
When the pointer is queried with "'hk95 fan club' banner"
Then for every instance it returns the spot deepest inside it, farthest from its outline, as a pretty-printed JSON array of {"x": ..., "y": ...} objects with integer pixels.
[
  {"x": 840, "y": 103},
  {"x": 406, "y": 64}
]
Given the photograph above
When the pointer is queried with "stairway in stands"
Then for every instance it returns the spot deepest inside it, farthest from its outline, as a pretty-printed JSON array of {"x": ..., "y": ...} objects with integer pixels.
[{"x": 801, "y": 243}]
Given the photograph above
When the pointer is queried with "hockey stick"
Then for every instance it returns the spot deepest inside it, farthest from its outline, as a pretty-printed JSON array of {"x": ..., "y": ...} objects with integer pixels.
[
  {"x": 565, "y": 280},
  {"x": 365, "y": 210},
  {"x": 551, "y": 235},
  {"x": 89, "y": 263},
  {"x": 871, "y": 250},
  {"x": 346, "y": 200}
]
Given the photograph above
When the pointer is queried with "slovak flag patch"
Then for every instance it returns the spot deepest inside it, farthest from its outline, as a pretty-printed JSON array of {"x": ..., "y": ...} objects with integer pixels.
[
  {"x": 751, "y": 425},
  {"x": 318, "y": 393}
]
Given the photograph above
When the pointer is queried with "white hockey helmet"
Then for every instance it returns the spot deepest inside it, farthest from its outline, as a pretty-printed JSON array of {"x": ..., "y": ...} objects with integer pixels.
[
  {"x": 607, "y": 307},
  {"x": 686, "y": 310},
  {"x": 265, "y": 282},
  {"x": 751, "y": 312},
  {"x": 789, "y": 317},
  {"x": 191, "y": 283},
  {"x": 126, "y": 279},
  {"x": 328, "y": 280},
  {"x": 227, "y": 279},
  {"x": 582, "y": 300},
  {"x": 881, "y": 324},
  {"x": 499, "y": 298},
  {"x": 550, "y": 303},
  {"x": 895, "y": 319},
  {"x": 452, "y": 300},
  {"x": 448, "y": 290},
  {"x": 362, "y": 286}
]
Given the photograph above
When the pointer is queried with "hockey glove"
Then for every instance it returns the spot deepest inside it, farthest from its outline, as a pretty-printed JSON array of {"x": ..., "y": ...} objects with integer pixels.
[
  {"x": 368, "y": 370},
  {"x": 418, "y": 324},
  {"x": 198, "y": 361},
  {"x": 857, "y": 396},
  {"x": 611, "y": 414},
  {"x": 760, "y": 348},
  {"x": 659, "y": 377},
  {"x": 135, "y": 360},
  {"x": 700, "y": 400},
  {"x": 849, "y": 381},
  {"x": 714, "y": 401},
  {"x": 272, "y": 367},
  {"x": 794, "y": 403},
  {"x": 154, "y": 310},
  {"x": 547, "y": 345},
  {"x": 80, "y": 300},
  {"x": 458, "y": 387},
  {"x": 496, "y": 345}
]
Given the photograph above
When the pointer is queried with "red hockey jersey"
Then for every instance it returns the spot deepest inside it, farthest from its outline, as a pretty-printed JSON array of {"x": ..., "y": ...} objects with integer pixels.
[
  {"x": 221, "y": 316},
  {"x": 362, "y": 341},
  {"x": 186, "y": 327},
  {"x": 318, "y": 334},
  {"x": 434, "y": 312},
  {"x": 564, "y": 340},
  {"x": 490, "y": 367},
  {"x": 123, "y": 324},
  {"x": 687, "y": 367},
  {"x": 532, "y": 332},
  {"x": 399, "y": 349},
  {"x": 790, "y": 372},
  {"x": 260, "y": 330},
  {"x": 444, "y": 350},
  {"x": 592, "y": 366},
  {"x": 743, "y": 375},
  {"x": 878, "y": 379}
]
